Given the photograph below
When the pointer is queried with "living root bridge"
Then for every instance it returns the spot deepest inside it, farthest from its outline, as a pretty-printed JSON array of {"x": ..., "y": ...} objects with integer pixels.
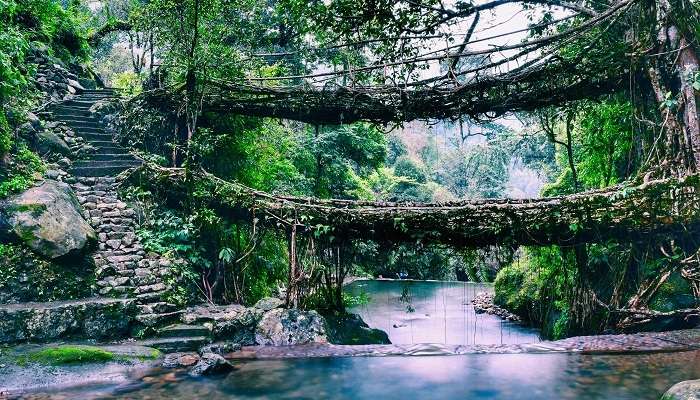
[{"x": 623, "y": 213}]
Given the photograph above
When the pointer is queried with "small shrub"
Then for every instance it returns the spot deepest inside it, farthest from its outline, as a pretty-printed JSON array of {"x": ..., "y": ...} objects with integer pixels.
[{"x": 20, "y": 172}]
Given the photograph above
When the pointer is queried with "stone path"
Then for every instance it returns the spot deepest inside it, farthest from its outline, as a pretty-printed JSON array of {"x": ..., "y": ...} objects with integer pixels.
[
  {"x": 123, "y": 269},
  {"x": 110, "y": 158}
]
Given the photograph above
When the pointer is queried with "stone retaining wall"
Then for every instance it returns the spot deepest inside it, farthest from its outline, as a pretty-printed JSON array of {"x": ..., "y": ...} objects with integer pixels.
[{"x": 96, "y": 318}]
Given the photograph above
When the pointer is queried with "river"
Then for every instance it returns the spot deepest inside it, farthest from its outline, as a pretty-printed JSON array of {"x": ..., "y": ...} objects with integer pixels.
[
  {"x": 413, "y": 312},
  {"x": 426, "y": 312}
]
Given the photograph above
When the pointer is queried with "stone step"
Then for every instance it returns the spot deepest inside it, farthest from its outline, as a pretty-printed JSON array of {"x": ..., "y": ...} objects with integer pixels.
[
  {"x": 76, "y": 116},
  {"x": 176, "y": 344},
  {"x": 116, "y": 156},
  {"x": 107, "y": 149},
  {"x": 88, "y": 130},
  {"x": 84, "y": 124},
  {"x": 156, "y": 320},
  {"x": 160, "y": 307},
  {"x": 101, "y": 171},
  {"x": 107, "y": 144},
  {"x": 78, "y": 108},
  {"x": 95, "y": 136},
  {"x": 62, "y": 113},
  {"x": 106, "y": 163},
  {"x": 151, "y": 297},
  {"x": 183, "y": 330},
  {"x": 97, "y": 95},
  {"x": 102, "y": 150},
  {"x": 100, "y": 90},
  {"x": 93, "y": 131},
  {"x": 79, "y": 104}
]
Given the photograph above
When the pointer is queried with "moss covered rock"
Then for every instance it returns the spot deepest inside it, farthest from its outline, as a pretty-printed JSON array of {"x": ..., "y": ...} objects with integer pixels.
[
  {"x": 27, "y": 277},
  {"x": 351, "y": 329},
  {"x": 48, "y": 219}
]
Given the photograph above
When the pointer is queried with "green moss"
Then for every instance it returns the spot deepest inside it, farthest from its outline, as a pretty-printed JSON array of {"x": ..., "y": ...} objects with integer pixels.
[
  {"x": 155, "y": 353},
  {"x": 34, "y": 209},
  {"x": 62, "y": 355},
  {"x": 536, "y": 293}
]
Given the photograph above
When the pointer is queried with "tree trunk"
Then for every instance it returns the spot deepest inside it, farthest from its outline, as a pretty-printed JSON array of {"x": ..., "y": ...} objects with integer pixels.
[{"x": 674, "y": 43}]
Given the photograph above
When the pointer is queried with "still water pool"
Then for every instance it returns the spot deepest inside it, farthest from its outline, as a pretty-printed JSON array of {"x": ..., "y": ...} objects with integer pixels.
[{"x": 433, "y": 312}]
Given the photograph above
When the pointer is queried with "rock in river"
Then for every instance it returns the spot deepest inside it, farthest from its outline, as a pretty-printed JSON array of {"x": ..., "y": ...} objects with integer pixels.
[
  {"x": 180, "y": 360},
  {"x": 281, "y": 327},
  {"x": 211, "y": 364}
]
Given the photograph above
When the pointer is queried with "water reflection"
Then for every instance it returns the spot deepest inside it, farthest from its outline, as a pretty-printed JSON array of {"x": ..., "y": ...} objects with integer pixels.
[
  {"x": 482, "y": 376},
  {"x": 434, "y": 312},
  {"x": 438, "y": 313}
]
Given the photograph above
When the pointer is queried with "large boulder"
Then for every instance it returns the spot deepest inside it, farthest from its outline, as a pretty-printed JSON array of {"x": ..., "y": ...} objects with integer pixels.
[
  {"x": 232, "y": 323},
  {"x": 48, "y": 219},
  {"x": 49, "y": 142},
  {"x": 282, "y": 327},
  {"x": 686, "y": 390},
  {"x": 345, "y": 328}
]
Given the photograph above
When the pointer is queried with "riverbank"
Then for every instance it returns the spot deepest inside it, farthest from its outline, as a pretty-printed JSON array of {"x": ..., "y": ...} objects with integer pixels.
[
  {"x": 675, "y": 341},
  {"x": 56, "y": 366}
]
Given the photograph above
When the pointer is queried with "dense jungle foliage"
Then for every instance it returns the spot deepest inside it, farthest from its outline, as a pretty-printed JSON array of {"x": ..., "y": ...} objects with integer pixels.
[{"x": 183, "y": 46}]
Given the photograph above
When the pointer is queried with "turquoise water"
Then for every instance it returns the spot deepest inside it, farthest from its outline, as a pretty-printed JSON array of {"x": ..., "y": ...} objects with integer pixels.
[
  {"x": 413, "y": 312},
  {"x": 423, "y": 312},
  {"x": 494, "y": 376}
]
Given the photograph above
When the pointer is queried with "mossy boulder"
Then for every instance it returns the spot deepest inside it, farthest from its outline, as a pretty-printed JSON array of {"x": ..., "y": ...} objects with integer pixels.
[
  {"x": 345, "y": 328},
  {"x": 47, "y": 141},
  {"x": 48, "y": 219},
  {"x": 28, "y": 277}
]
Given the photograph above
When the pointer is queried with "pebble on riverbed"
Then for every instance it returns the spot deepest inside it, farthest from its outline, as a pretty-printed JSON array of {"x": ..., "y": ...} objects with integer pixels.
[{"x": 483, "y": 304}]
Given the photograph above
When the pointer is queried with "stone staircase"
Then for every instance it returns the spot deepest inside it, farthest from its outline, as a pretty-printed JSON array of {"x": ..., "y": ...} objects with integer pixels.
[
  {"x": 179, "y": 338},
  {"x": 123, "y": 269},
  {"x": 109, "y": 158}
]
